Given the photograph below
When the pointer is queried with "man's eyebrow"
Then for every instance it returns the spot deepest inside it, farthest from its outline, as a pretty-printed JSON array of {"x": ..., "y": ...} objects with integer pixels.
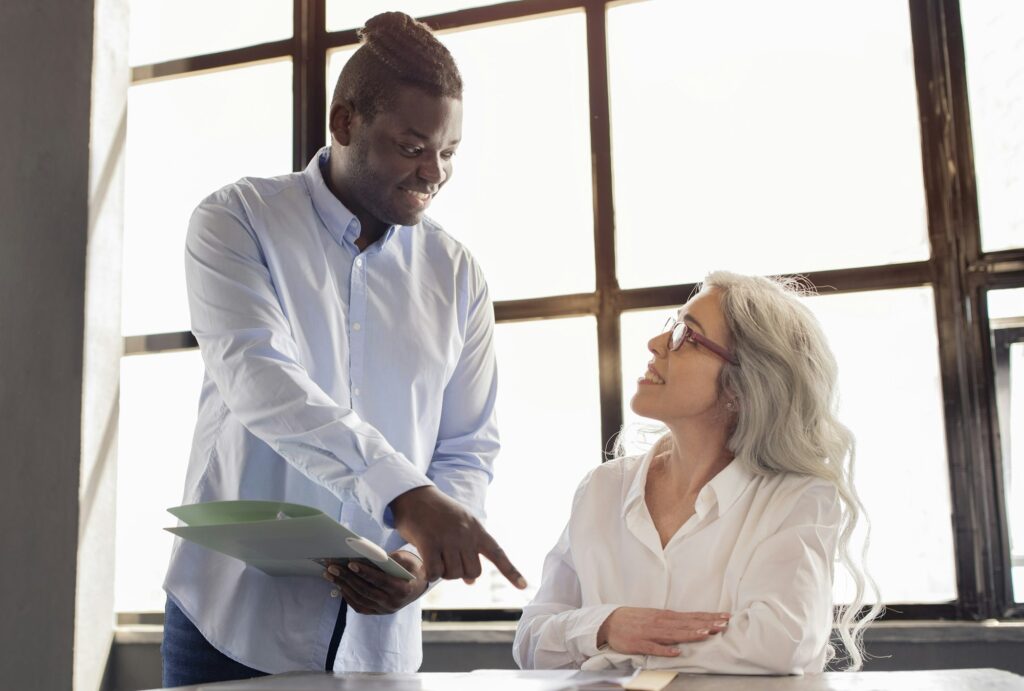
[{"x": 420, "y": 135}]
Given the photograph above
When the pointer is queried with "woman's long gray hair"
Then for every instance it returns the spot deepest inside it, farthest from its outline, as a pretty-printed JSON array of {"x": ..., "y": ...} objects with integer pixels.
[{"x": 787, "y": 397}]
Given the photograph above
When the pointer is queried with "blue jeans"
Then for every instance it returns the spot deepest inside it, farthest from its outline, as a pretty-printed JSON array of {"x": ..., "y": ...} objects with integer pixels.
[{"x": 190, "y": 659}]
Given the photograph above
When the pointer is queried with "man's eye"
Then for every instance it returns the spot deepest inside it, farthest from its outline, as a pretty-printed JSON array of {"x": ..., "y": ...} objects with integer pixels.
[
  {"x": 410, "y": 150},
  {"x": 447, "y": 155}
]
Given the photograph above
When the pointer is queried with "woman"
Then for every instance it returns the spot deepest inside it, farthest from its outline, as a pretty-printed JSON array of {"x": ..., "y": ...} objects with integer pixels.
[{"x": 714, "y": 551}]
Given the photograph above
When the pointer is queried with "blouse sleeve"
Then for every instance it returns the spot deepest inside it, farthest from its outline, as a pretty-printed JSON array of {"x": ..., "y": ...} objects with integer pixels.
[{"x": 555, "y": 632}]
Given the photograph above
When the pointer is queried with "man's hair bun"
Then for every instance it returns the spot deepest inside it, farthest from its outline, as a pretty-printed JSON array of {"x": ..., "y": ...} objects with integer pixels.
[{"x": 396, "y": 50}]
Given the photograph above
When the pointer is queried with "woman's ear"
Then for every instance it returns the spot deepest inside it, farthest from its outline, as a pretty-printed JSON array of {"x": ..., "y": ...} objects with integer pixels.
[{"x": 730, "y": 401}]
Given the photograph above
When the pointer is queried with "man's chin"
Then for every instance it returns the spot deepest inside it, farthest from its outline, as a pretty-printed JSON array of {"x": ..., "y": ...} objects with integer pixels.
[{"x": 407, "y": 219}]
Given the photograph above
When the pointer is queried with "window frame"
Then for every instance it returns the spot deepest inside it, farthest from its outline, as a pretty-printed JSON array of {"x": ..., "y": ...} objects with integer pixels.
[{"x": 958, "y": 271}]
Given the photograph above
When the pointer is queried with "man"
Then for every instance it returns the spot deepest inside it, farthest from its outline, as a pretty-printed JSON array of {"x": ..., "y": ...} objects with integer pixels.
[{"x": 348, "y": 344}]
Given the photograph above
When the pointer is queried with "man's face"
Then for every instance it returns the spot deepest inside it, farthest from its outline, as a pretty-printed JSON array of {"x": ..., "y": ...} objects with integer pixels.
[{"x": 399, "y": 160}]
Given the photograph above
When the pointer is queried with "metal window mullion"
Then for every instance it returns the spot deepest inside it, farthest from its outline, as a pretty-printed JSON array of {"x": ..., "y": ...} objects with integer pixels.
[
  {"x": 607, "y": 285},
  {"x": 473, "y": 16},
  {"x": 978, "y": 522},
  {"x": 225, "y": 59},
  {"x": 309, "y": 86}
]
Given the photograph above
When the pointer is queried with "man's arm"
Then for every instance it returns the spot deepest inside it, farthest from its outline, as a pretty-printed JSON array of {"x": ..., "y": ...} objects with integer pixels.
[{"x": 464, "y": 453}]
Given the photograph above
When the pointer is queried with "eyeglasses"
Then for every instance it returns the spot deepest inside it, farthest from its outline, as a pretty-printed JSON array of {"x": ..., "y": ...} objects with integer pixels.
[{"x": 680, "y": 332}]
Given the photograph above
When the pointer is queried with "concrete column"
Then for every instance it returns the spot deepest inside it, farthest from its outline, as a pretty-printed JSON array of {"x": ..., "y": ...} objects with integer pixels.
[{"x": 60, "y": 219}]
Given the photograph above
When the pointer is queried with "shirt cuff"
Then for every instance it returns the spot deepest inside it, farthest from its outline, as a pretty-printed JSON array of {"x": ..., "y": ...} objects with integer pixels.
[
  {"x": 581, "y": 629},
  {"x": 382, "y": 481}
]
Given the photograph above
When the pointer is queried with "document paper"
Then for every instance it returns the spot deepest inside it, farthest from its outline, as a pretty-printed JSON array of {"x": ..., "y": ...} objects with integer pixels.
[{"x": 278, "y": 538}]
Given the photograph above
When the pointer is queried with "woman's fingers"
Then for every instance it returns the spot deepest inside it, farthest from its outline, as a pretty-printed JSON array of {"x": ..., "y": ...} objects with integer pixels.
[
  {"x": 649, "y": 648},
  {"x": 683, "y": 618},
  {"x": 680, "y": 636}
]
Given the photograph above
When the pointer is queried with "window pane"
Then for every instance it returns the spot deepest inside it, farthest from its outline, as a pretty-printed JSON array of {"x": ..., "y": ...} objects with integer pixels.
[
  {"x": 352, "y": 14},
  {"x": 186, "y": 138},
  {"x": 549, "y": 418},
  {"x": 162, "y": 30},
  {"x": 520, "y": 197},
  {"x": 794, "y": 149},
  {"x": 994, "y": 51},
  {"x": 1006, "y": 304},
  {"x": 1006, "y": 319},
  {"x": 892, "y": 400},
  {"x": 159, "y": 400},
  {"x": 336, "y": 60}
]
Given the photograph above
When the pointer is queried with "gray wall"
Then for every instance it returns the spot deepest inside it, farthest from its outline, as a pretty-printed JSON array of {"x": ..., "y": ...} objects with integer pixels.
[{"x": 45, "y": 79}]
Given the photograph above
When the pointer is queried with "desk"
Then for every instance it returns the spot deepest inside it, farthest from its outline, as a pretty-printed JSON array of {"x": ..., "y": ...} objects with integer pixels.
[{"x": 508, "y": 680}]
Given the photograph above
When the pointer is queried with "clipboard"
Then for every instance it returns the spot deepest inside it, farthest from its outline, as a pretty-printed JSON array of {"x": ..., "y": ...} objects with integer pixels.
[{"x": 278, "y": 538}]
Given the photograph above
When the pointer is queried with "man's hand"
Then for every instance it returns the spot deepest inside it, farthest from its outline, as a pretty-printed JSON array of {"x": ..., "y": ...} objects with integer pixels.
[
  {"x": 368, "y": 590},
  {"x": 641, "y": 631},
  {"x": 448, "y": 537}
]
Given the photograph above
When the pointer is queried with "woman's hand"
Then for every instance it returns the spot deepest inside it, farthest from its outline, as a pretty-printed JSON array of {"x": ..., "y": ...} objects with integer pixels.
[{"x": 643, "y": 631}]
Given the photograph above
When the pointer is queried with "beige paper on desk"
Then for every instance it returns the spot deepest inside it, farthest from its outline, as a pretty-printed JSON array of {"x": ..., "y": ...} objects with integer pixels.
[{"x": 649, "y": 680}]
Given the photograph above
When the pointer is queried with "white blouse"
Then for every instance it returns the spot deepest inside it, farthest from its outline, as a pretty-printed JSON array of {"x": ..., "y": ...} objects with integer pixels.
[{"x": 760, "y": 548}]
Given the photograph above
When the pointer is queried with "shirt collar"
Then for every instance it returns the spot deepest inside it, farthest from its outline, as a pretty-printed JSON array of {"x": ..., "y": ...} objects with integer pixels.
[
  {"x": 635, "y": 493},
  {"x": 723, "y": 490},
  {"x": 340, "y": 222}
]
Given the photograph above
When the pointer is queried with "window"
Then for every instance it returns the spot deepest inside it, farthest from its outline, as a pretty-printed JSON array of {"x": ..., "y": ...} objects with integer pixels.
[
  {"x": 994, "y": 55},
  {"x": 613, "y": 153},
  {"x": 738, "y": 133},
  {"x": 1006, "y": 320}
]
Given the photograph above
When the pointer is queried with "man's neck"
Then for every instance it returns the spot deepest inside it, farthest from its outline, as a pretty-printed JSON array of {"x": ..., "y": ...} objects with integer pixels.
[
  {"x": 370, "y": 229},
  {"x": 367, "y": 238}
]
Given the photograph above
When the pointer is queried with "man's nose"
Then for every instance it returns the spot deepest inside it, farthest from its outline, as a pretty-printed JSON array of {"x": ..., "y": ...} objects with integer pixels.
[{"x": 432, "y": 170}]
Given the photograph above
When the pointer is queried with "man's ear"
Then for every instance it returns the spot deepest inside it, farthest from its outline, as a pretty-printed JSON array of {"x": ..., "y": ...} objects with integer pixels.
[{"x": 341, "y": 117}]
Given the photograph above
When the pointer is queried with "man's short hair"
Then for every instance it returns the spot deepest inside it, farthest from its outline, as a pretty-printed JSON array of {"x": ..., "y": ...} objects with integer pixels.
[{"x": 397, "y": 51}]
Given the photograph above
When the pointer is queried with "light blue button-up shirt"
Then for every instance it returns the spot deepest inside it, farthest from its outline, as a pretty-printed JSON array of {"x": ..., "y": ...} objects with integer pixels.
[{"x": 336, "y": 379}]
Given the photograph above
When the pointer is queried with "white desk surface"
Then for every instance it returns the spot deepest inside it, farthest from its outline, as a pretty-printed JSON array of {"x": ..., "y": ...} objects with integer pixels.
[{"x": 509, "y": 680}]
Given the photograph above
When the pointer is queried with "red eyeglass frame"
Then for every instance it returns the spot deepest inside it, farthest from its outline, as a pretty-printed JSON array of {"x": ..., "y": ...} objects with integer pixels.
[{"x": 680, "y": 332}]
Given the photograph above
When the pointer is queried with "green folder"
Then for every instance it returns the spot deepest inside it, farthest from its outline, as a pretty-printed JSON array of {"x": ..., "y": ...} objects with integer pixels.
[{"x": 278, "y": 538}]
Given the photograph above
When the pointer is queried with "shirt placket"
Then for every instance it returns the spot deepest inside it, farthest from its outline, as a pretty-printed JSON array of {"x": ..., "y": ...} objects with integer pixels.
[{"x": 357, "y": 329}]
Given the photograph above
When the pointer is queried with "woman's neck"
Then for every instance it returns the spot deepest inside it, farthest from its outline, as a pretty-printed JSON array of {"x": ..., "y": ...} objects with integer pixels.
[{"x": 697, "y": 455}]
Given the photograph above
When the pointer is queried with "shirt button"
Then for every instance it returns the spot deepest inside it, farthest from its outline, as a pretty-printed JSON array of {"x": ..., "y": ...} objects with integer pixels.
[
  {"x": 359, "y": 261},
  {"x": 357, "y": 326},
  {"x": 356, "y": 391},
  {"x": 335, "y": 593}
]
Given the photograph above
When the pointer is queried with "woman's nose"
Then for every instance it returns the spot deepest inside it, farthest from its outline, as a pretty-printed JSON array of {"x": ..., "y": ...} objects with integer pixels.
[{"x": 658, "y": 345}]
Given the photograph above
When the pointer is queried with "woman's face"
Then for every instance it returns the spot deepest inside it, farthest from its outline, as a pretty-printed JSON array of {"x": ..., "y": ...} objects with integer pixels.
[{"x": 683, "y": 384}]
